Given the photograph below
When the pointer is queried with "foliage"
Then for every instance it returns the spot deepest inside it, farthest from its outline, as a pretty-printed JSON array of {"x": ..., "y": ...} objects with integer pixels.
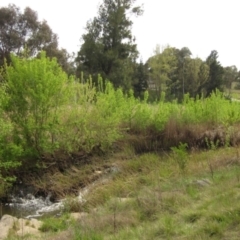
[
  {"x": 49, "y": 111},
  {"x": 141, "y": 77},
  {"x": 173, "y": 71},
  {"x": 180, "y": 155},
  {"x": 21, "y": 31},
  {"x": 85, "y": 234},
  {"x": 231, "y": 75},
  {"x": 9, "y": 151},
  {"x": 108, "y": 47},
  {"x": 215, "y": 79},
  {"x": 80, "y": 130},
  {"x": 52, "y": 224},
  {"x": 161, "y": 67},
  {"x": 45, "y": 111},
  {"x": 35, "y": 89}
]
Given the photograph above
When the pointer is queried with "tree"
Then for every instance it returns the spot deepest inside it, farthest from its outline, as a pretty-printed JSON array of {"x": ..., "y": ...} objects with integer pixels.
[
  {"x": 203, "y": 75},
  {"x": 183, "y": 55},
  {"x": 108, "y": 46},
  {"x": 177, "y": 85},
  {"x": 231, "y": 75},
  {"x": 162, "y": 65},
  {"x": 216, "y": 71},
  {"x": 20, "y": 31},
  {"x": 141, "y": 78}
]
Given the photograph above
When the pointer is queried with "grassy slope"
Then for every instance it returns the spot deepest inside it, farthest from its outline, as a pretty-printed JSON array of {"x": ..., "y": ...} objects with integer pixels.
[
  {"x": 165, "y": 203},
  {"x": 152, "y": 198}
]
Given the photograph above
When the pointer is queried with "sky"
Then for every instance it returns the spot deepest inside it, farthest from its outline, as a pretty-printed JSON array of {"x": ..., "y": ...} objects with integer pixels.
[{"x": 200, "y": 25}]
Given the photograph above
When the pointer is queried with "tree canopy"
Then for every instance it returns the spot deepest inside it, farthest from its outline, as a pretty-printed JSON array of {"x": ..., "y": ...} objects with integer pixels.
[
  {"x": 21, "y": 31},
  {"x": 109, "y": 48},
  {"x": 108, "y": 45}
]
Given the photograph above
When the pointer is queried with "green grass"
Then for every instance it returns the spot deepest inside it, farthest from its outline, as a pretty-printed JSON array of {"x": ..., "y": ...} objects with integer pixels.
[
  {"x": 151, "y": 199},
  {"x": 53, "y": 224}
]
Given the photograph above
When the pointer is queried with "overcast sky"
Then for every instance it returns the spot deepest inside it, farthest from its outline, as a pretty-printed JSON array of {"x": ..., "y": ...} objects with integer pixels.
[{"x": 200, "y": 25}]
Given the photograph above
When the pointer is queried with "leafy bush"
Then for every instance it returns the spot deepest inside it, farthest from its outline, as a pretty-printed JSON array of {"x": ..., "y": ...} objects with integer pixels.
[
  {"x": 35, "y": 89},
  {"x": 9, "y": 152}
]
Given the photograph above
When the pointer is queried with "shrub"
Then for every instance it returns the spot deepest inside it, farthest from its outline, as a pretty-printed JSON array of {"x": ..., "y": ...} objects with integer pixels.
[{"x": 35, "y": 89}]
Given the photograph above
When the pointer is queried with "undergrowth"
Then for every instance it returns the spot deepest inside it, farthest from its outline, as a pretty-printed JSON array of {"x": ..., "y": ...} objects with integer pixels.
[{"x": 45, "y": 113}]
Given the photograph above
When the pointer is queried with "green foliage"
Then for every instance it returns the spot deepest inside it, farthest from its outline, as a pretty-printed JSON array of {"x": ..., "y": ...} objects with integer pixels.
[
  {"x": 49, "y": 111},
  {"x": 108, "y": 48},
  {"x": 93, "y": 119},
  {"x": 81, "y": 234},
  {"x": 9, "y": 151},
  {"x": 180, "y": 155},
  {"x": 231, "y": 75},
  {"x": 141, "y": 76},
  {"x": 216, "y": 71},
  {"x": 161, "y": 68},
  {"x": 173, "y": 71},
  {"x": 52, "y": 224},
  {"x": 23, "y": 30},
  {"x": 44, "y": 111},
  {"x": 35, "y": 89}
]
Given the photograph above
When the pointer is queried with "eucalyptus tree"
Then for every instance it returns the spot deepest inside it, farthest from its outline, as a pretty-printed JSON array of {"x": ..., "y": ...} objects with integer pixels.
[{"x": 22, "y": 31}]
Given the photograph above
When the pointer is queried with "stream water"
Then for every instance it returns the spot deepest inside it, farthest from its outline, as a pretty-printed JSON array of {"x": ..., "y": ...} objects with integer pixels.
[{"x": 28, "y": 206}]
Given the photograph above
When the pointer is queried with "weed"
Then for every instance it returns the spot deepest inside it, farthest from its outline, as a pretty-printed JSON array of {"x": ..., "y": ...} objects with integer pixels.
[
  {"x": 211, "y": 145},
  {"x": 180, "y": 155}
]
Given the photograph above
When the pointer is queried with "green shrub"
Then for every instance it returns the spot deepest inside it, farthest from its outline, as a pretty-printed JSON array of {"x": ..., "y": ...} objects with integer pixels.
[{"x": 35, "y": 89}]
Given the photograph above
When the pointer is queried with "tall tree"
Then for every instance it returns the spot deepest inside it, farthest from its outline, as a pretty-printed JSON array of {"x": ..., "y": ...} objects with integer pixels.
[
  {"x": 20, "y": 30},
  {"x": 141, "y": 77},
  {"x": 183, "y": 55},
  {"x": 203, "y": 75},
  {"x": 162, "y": 66},
  {"x": 108, "y": 46},
  {"x": 216, "y": 71},
  {"x": 177, "y": 85}
]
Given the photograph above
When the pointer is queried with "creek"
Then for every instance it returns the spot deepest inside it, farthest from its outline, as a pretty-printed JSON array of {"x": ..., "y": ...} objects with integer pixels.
[{"x": 28, "y": 206}]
